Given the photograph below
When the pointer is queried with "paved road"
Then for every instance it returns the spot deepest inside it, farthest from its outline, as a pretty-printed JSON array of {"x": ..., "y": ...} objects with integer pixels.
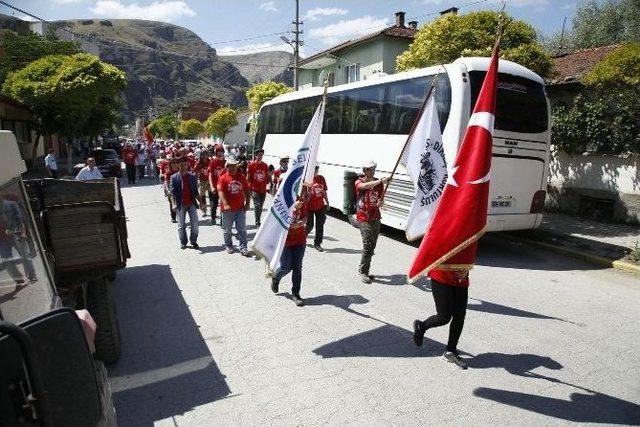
[{"x": 549, "y": 339}]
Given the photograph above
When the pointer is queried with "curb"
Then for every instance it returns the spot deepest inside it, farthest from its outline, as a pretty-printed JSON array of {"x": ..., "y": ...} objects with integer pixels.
[{"x": 585, "y": 256}]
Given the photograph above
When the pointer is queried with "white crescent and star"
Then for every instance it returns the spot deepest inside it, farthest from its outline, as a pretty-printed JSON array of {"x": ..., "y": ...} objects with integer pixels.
[{"x": 483, "y": 120}]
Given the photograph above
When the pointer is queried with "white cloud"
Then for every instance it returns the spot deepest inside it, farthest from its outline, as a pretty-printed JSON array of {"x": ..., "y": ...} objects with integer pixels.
[
  {"x": 318, "y": 12},
  {"x": 268, "y": 6},
  {"x": 165, "y": 11},
  {"x": 251, "y": 48},
  {"x": 347, "y": 29}
]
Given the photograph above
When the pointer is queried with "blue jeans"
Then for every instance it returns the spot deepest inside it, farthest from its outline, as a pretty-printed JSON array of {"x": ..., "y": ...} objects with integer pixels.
[
  {"x": 238, "y": 217},
  {"x": 291, "y": 261},
  {"x": 193, "y": 224}
]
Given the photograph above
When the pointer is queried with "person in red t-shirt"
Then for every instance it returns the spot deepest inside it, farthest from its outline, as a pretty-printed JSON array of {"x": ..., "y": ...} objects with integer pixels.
[
  {"x": 369, "y": 191},
  {"x": 168, "y": 168},
  {"x": 258, "y": 178},
  {"x": 277, "y": 174},
  {"x": 233, "y": 191},
  {"x": 214, "y": 171},
  {"x": 293, "y": 251},
  {"x": 129, "y": 156},
  {"x": 450, "y": 290},
  {"x": 318, "y": 206},
  {"x": 201, "y": 168}
]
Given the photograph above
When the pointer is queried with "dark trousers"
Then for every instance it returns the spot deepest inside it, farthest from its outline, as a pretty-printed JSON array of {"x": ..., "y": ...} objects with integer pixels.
[
  {"x": 319, "y": 217},
  {"x": 370, "y": 232},
  {"x": 140, "y": 171},
  {"x": 54, "y": 173},
  {"x": 215, "y": 200},
  {"x": 131, "y": 173},
  {"x": 451, "y": 306},
  {"x": 291, "y": 261},
  {"x": 258, "y": 202}
]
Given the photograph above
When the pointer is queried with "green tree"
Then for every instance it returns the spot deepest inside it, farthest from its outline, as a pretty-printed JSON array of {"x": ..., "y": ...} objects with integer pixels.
[
  {"x": 64, "y": 93},
  {"x": 165, "y": 126},
  {"x": 452, "y": 36},
  {"x": 190, "y": 128},
  {"x": 19, "y": 50},
  {"x": 620, "y": 70},
  {"x": 263, "y": 92},
  {"x": 221, "y": 121}
]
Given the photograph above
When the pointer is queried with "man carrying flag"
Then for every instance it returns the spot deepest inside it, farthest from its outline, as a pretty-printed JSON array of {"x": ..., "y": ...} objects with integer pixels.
[{"x": 448, "y": 248}]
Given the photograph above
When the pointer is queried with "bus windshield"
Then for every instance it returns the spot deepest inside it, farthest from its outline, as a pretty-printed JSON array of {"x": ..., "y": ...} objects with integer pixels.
[{"x": 521, "y": 105}]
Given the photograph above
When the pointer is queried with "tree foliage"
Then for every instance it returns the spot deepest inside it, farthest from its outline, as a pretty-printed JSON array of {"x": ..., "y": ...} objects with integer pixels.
[
  {"x": 452, "y": 36},
  {"x": 220, "y": 122},
  {"x": 70, "y": 95},
  {"x": 19, "y": 50},
  {"x": 166, "y": 126},
  {"x": 620, "y": 70},
  {"x": 263, "y": 92},
  {"x": 190, "y": 128}
]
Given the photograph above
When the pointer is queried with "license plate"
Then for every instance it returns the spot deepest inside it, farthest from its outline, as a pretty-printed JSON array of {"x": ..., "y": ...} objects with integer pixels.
[{"x": 502, "y": 203}]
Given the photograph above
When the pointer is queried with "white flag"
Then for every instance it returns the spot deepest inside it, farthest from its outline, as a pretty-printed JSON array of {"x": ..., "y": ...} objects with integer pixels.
[
  {"x": 425, "y": 162},
  {"x": 270, "y": 237}
]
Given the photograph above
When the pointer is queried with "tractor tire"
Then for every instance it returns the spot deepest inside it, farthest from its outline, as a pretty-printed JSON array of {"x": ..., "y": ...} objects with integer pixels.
[{"x": 102, "y": 307}]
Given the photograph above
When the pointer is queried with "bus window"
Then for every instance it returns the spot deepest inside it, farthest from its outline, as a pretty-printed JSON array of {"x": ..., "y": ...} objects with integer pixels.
[
  {"x": 521, "y": 105},
  {"x": 303, "y": 110},
  {"x": 362, "y": 110}
]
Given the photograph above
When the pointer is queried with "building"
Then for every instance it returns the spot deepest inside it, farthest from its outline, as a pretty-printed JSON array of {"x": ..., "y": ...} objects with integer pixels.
[
  {"x": 239, "y": 134},
  {"x": 199, "y": 110},
  {"x": 358, "y": 59}
]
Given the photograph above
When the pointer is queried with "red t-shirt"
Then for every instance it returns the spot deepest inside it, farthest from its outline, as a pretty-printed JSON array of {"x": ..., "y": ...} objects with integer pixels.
[
  {"x": 318, "y": 189},
  {"x": 192, "y": 161},
  {"x": 233, "y": 187},
  {"x": 202, "y": 169},
  {"x": 448, "y": 277},
  {"x": 368, "y": 209},
  {"x": 216, "y": 169},
  {"x": 298, "y": 230},
  {"x": 129, "y": 156},
  {"x": 187, "y": 197},
  {"x": 258, "y": 176}
]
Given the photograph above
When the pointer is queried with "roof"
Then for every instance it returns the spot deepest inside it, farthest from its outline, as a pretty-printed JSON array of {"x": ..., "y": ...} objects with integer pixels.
[
  {"x": 392, "y": 31},
  {"x": 571, "y": 67}
]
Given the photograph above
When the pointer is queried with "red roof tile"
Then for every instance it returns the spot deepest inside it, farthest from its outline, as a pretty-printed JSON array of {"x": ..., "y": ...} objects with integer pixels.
[{"x": 571, "y": 67}]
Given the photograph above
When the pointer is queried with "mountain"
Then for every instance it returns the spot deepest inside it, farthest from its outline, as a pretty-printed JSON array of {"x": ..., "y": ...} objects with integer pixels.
[
  {"x": 168, "y": 65},
  {"x": 264, "y": 66}
]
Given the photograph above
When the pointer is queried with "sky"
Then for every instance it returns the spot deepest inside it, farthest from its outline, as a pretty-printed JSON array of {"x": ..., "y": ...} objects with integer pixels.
[{"x": 236, "y": 27}]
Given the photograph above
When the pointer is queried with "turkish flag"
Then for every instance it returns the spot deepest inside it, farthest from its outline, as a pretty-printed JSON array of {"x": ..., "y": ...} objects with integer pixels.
[{"x": 460, "y": 218}]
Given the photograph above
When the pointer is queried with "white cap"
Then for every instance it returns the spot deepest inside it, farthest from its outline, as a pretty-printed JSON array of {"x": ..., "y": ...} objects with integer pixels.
[{"x": 369, "y": 164}]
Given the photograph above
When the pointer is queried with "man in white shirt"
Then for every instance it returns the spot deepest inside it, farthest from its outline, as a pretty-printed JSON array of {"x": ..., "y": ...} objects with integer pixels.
[
  {"x": 89, "y": 172},
  {"x": 51, "y": 163}
]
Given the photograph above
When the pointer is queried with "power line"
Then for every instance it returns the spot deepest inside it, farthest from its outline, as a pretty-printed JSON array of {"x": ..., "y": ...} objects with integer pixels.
[{"x": 250, "y": 38}]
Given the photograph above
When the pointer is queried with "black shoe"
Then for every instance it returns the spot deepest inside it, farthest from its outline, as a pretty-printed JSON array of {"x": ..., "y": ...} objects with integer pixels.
[
  {"x": 418, "y": 333},
  {"x": 183, "y": 246},
  {"x": 213, "y": 220},
  {"x": 298, "y": 300},
  {"x": 274, "y": 285},
  {"x": 318, "y": 248},
  {"x": 174, "y": 221},
  {"x": 258, "y": 224},
  {"x": 195, "y": 246},
  {"x": 454, "y": 358}
]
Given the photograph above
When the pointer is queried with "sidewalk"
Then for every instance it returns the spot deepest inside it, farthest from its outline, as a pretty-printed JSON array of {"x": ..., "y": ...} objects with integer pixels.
[{"x": 605, "y": 244}]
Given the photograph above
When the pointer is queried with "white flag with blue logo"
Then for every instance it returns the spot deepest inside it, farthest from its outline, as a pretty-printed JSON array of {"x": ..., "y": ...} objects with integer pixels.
[{"x": 269, "y": 240}]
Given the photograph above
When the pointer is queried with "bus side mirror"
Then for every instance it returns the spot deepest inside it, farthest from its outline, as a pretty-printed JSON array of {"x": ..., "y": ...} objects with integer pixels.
[{"x": 47, "y": 373}]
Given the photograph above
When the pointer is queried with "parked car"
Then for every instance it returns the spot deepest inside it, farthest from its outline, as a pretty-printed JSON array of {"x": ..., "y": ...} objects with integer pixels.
[{"x": 107, "y": 161}]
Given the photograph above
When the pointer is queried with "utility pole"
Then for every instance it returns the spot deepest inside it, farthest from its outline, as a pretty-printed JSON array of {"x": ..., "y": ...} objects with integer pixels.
[{"x": 296, "y": 45}]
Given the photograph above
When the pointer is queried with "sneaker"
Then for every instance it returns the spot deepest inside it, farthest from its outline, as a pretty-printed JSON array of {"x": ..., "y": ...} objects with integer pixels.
[
  {"x": 195, "y": 246},
  {"x": 213, "y": 220},
  {"x": 274, "y": 285},
  {"x": 257, "y": 225},
  {"x": 453, "y": 357},
  {"x": 298, "y": 300},
  {"x": 230, "y": 250},
  {"x": 365, "y": 278},
  {"x": 174, "y": 221},
  {"x": 318, "y": 248},
  {"x": 183, "y": 246},
  {"x": 418, "y": 333},
  {"x": 244, "y": 252}
]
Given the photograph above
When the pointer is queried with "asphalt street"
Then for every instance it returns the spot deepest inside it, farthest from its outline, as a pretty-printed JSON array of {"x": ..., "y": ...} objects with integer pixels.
[{"x": 549, "y": 339}]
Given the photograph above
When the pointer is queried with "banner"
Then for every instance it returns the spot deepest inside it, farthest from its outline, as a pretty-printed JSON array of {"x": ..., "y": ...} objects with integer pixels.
[
  {"x": 426, "y": 165},
  {"x": 270, "y": 237}
]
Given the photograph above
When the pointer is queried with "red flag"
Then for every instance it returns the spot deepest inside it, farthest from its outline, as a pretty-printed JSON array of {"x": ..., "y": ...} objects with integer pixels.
[
  {"x": 461, "y": 215},
  {"x": 148, "y": 135}
]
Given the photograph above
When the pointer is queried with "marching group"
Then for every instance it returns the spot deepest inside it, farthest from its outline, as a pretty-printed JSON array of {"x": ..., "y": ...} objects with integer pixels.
[{"x": 191, "y": 176}]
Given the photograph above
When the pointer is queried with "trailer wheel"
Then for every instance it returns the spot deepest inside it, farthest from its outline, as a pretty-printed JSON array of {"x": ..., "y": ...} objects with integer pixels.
[{"x": 101, "y": 305}]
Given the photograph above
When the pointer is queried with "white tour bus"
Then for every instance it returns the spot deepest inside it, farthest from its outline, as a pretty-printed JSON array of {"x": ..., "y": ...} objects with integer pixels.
[{"x": 370, "y": 120}]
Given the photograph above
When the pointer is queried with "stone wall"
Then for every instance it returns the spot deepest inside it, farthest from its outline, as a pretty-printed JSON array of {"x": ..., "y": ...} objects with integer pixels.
[{"x": 600, "y": 187}]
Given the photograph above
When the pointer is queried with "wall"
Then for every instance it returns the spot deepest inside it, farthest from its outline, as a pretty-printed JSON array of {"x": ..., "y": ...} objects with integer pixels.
[
  {"x": 393, "y": 48},
  {"x": 587, "y": 185}
]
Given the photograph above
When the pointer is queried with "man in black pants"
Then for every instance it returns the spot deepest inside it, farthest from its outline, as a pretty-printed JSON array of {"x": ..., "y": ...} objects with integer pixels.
[{"x": 450, "y": 293}]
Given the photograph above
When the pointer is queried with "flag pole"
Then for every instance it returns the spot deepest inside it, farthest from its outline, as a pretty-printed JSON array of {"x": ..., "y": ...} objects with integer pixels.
[{"x": 411, "y": 131}]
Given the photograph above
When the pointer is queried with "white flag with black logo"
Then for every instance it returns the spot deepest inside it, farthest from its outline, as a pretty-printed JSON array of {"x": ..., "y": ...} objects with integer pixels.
[{"x": 426, "y": 165}]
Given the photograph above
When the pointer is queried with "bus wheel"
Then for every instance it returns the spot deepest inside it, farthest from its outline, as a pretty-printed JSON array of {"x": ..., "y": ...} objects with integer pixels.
[{"x": 102, "y": 307}]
